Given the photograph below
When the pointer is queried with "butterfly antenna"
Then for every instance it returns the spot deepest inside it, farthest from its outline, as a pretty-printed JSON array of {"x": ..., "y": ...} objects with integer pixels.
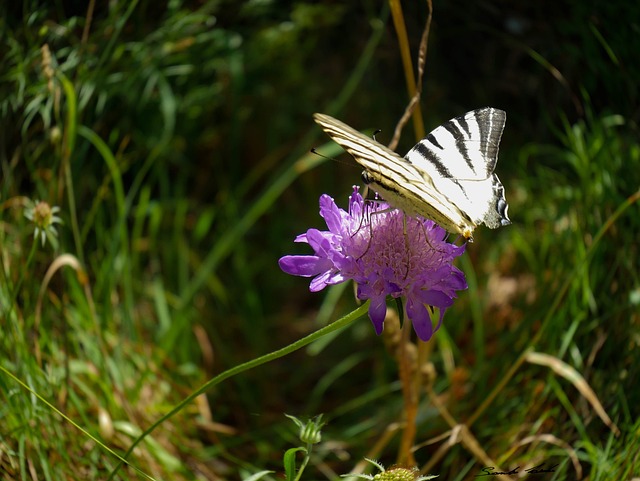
[
  {"x": 313, "y": 150},
  {"x": 340, "y": 161}
]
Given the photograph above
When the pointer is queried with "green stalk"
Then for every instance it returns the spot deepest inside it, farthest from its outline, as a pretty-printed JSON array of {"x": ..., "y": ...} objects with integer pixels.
[
  {"x": 70, "y": 132},
  {"x": 272, "y": 356}
]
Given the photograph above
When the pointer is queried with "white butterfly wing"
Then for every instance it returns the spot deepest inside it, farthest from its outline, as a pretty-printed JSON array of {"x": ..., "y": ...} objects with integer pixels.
[
  {"x": 462, "y": 148},
  {"x": 460, "y": 157}
]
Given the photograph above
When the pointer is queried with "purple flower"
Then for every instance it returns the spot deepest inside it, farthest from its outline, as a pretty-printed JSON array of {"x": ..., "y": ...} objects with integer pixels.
[{"x": 387, "y": 254}]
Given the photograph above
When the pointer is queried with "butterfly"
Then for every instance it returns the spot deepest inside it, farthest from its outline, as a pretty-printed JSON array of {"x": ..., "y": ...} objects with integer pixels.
[{"x": 447, "y": 177}]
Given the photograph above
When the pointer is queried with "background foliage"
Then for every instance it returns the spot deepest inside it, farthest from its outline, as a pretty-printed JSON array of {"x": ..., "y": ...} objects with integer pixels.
[{"x": 174, "y": 137}]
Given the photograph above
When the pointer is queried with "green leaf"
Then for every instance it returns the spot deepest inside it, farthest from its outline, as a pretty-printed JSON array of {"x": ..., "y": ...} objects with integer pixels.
[{"x": 289, "y": 462}]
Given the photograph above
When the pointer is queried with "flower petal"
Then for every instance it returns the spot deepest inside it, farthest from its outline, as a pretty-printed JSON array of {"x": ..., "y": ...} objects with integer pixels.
[
  {"x": 331, "y": 213},
  {"x": 320, "y": 282},
  {"x": 457, "y": 280},
  {"x": 320, "y": 242},
  {"x": 420, "y": 318},
  {"x": 355, "y": 203},
  {"x": 305, "y": 266},
  {"x": 435, "y": 298},
  {"x": 377, "y": 313}
]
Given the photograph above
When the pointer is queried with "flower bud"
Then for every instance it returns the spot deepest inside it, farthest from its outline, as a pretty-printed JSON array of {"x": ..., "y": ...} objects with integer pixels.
[{"x": 311, "y": 431}]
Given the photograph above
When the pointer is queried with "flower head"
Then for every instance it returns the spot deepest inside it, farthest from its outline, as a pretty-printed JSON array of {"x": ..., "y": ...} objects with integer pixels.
[
  {"x": 44, "y": 217},
  {"x": 396, "y": 473},
  {"x": 311, "y": 431},
  {"x": 387, "y": 254}
]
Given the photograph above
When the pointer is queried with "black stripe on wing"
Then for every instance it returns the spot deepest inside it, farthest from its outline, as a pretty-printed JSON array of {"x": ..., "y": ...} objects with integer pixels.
[
  {"x": 461, "y": 139},
  {"x": 491, "y": 123},
  {"x": 430, "y": 156},
  {"x": 470, "y": 140}
]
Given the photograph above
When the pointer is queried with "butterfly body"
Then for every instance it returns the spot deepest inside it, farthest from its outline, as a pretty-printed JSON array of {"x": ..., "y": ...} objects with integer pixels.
[{"x": 447, "y": 177}]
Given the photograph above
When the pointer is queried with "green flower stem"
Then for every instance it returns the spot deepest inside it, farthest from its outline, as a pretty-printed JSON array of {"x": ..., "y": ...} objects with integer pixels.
[
  {"x": 305, "y": 461},
  {"x": 272, "y": 356}
]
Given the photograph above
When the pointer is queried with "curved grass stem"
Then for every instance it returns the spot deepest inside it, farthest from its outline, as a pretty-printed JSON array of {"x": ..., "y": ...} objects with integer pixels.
[{"x": 272, "y": 356}]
